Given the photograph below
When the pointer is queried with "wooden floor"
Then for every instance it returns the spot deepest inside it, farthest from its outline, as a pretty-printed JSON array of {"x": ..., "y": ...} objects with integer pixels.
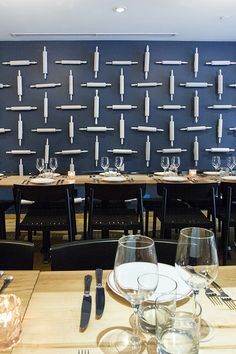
[{"x": 59, "y": 237}]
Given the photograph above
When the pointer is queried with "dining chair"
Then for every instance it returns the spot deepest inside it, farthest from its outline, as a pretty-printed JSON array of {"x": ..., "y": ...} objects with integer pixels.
[
  {"x": 183, "y": 205},
  {"x": 106, "y": 208},
  {"x": 16, "y": 255},
  {"x": 4, "y": 206},
  {"x": 151, "y": 205},
  {"x": 93, "y": 254},
  {"x": 226, "y": 213},
  {"x": 53, "y": 210}
]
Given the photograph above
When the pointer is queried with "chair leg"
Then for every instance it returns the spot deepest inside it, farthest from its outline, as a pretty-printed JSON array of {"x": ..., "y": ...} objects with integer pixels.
[
  {"x": 46, "y": 246},
  {"x": 224, "y": 240},
  {"x": 146, "y": 222},
  {"x": 105, "y": 233},
  {"x": 154, "y": 224},
  {"x": 2, "y": 225},
  {"x": 30, "y": 238}
]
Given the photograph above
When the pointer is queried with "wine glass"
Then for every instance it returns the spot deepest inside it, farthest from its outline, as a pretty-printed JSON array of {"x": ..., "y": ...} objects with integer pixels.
[
  {"x": 196, "y": 258},
  {"x": 165, "y": 163},
  {"x": 175, "y": 162},
  {"x": 119, "y": 161},
  {"x": 105, "y": 163},
  {"x": 216, "y": 162},
  {"x": 53, "y": 164},
  {"x": 135, "y": 256},
  {"x": 231, "y": 163},
  {"x": 40, "y": 165}
]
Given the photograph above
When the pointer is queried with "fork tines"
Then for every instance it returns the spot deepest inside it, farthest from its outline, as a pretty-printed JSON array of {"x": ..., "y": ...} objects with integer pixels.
[
  {"x": 83, "y": 351},
  {"x": 213, "y": 297}
]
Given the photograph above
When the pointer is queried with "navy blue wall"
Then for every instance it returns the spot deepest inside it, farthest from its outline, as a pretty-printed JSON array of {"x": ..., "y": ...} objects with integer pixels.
[{"x": 115, "y": 50}]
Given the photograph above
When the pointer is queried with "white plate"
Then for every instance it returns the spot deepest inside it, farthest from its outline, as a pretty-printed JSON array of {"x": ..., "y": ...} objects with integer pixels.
[
  {"x": 1, "y": 174},
  {"x": 175, "y": 179},
  {"x": 114, "y": 179},
  {"x": 183, "y": 290},
  {"x": 228, "y": 178},
  {"x": 212, "y": 173},
  {"x": 109, "y": 174},
  {"x": 161, "y": 173},
  {"x": 42, "y": 180}
]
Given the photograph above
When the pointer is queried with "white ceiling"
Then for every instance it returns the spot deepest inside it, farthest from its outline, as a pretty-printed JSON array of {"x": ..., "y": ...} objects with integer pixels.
[{"x": 200, "y": 20}]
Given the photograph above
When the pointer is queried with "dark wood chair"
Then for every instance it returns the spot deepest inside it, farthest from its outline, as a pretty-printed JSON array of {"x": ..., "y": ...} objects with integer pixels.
[
  {"x": 151, "y": 205},
  {"x": 92, "y": 254},
  {"x": 16, "y": 255},
  {"x": 183, "y": 205},
  {"x": 4, "y": 206},
  {"x": 52, "y": 210},
  {"x": 106, "y": 208},
  {"x": 226, "y": 213}
]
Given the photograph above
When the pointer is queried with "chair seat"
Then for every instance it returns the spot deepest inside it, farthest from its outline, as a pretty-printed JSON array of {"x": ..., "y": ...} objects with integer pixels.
[
  {"x": 45, "y": 218},
  {"x": 186, "y": 216},
  {"x": 106, "y": 219}
]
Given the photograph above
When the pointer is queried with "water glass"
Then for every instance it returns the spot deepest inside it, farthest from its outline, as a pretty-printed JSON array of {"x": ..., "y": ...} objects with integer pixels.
[
  {"x": 216, "y": 162},
  {"x": 231, "y": 163},
  {"x": 180, "y": 335},
  {"x": 153, "y": 315},
  {"x": 175, "y": 163},
  {"x": 165, "y": 302},
  {"x": 40, "y": 165},
  {"x": 53, "y": 164},
  {"x": 165, "y": 163},
  {"x": 119, "y": 161},
  {"x": 105, "y": 163},
  {"x": 10, "y": 321}
]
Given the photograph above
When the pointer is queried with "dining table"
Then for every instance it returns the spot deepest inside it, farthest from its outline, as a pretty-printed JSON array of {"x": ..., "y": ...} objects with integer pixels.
[
  {"x": 52, "y": 307},
  {"x": 79, "y": 180}
]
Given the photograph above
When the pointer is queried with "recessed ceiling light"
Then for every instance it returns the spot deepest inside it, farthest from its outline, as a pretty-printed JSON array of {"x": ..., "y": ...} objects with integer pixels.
[{"x": 120, "y": 9}]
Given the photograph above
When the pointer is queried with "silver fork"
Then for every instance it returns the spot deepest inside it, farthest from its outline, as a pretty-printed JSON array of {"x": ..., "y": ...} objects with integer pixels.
[
  {"x": 225, "y": 297},
  {"x": 215, "y": 299},
  {"x": 83, "y": 351}
]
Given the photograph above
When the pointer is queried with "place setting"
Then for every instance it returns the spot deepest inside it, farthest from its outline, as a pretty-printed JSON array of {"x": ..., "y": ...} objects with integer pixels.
[
  {"x": 46, "y": 176},
  {"x": 111, "y": 175},
  {"x": 165, "y": 301},
  {"x": 170, "y": 170}
]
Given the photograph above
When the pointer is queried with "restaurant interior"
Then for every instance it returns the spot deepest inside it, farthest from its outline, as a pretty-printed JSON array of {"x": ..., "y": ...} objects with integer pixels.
[{"x": 117, "y": 177}]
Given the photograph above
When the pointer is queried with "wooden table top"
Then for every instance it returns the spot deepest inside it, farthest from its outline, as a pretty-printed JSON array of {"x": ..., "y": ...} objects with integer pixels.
[
  {"x": 51, "y": 322},
  {"x": 23, "y": 286},
  {"x": 80, "y": 180}
]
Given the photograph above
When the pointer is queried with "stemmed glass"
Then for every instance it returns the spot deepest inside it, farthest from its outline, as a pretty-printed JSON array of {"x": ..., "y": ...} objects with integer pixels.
[
  {"x": 40, "y": 165},
  {"x": 53, "y": 164},
  {"x": 216, "y": 162},
  {"x": 119, "y": 161},
  {"x": 196, "y": 258},
  {"x": 165, "y": 163},
  {"x": 231, "y": 163},
  {"x": 175, "y": 163},
  {"x": 105, "y": 163},
  {"x": 135, "y": 256}
]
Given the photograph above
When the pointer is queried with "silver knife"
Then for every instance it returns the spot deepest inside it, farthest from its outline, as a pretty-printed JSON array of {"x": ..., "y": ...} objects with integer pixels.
[
  {"x": 100, "y": 294},
  {"x": 86, "y": 304}
]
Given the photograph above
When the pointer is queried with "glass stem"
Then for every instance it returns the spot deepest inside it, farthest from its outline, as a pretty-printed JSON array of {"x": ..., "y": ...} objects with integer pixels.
[
  {"x": 195, "y": 293},
  {"x": 135, "y": 339}
]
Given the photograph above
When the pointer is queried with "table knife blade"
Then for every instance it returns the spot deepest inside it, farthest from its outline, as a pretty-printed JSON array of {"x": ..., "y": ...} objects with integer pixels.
[
  {"x": 100, "y": 294},
  {"x": 86, "y": 303}
]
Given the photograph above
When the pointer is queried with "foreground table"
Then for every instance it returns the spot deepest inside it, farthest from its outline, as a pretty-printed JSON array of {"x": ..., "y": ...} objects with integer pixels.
[
  {"x": 23, "y": 286},
  {"x": 51, "y": 322}
]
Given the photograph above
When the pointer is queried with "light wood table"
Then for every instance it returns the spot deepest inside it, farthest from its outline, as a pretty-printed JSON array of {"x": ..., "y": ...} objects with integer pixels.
[
  {"x": 80, "y": 180},
  {"x": 23, "y": 286},
  {"x": 51, "y": 322}
]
